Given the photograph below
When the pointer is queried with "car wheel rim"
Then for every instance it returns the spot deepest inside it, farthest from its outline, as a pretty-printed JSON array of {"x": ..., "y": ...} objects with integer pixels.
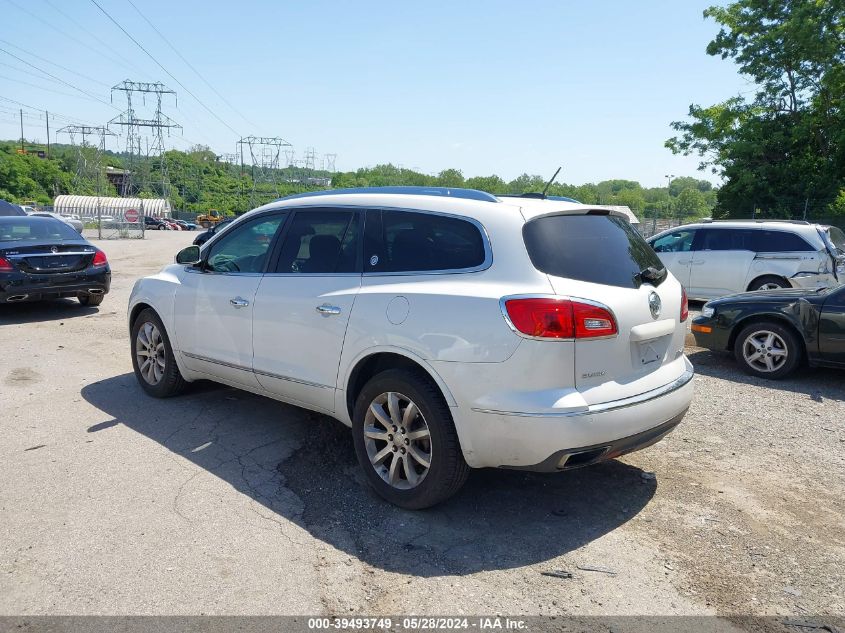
[
  {"x": 398, "y": 440},
  {"x": 765, "y": 351},
  {"x": 150, "y": 353},
  {"x": 770, "y": 286}
]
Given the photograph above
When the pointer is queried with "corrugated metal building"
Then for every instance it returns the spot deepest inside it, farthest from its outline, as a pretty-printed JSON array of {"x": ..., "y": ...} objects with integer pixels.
[{"x": 86, "y": 206}]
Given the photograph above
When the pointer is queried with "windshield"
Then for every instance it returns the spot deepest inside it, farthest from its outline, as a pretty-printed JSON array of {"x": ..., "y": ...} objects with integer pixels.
[
  {"x": 36, "y": 229},
  {"x": 836, "y": 238},
  {"x": 601, "y": 249}
]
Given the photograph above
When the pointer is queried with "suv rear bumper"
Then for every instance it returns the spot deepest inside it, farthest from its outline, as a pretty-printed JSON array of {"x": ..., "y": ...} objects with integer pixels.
[{"x": 560, "y": 441}]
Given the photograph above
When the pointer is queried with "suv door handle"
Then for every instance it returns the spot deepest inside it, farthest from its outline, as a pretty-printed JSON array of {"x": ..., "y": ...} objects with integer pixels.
[
  {"x": 685, "y": 261},
  {"x": 327, "y": 309},
  {"x": 698, "y": 263},
  {"x": 239, "y": 302}
]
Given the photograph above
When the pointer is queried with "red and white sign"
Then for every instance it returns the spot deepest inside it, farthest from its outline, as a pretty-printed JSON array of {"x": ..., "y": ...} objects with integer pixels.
[{"x": 131, "y": 215}]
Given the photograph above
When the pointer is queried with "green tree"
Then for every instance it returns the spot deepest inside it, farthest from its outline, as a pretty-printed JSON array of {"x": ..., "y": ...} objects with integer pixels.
[
  {"x": 691, "y": 203},
  {"x": 450, "y": 178},
  {"x": 786, "y": 145}
]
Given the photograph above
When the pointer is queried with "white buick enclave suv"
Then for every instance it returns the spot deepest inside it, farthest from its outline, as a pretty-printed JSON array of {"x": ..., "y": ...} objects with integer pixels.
[{"x": 448, "y": 328}]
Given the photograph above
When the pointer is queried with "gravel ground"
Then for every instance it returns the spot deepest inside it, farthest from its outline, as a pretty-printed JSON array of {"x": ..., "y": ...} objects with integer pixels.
[{"x": 221, "y": 502}]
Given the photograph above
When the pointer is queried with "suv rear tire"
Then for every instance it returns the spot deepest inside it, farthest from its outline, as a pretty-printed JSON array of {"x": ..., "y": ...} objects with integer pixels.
[
  {"x": 149, "y": 342},
  {"x": 768, "y": 282},
  {"x": 768, "y": 350},
  {"x": 400, "y": 423}
]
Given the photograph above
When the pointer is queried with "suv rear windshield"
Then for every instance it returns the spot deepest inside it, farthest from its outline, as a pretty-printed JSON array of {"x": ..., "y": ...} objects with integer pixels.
[{"x": 600, "y": 249}]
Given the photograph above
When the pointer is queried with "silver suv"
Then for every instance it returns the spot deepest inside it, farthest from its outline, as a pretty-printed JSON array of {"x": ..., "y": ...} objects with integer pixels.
[{"x": 714, "y": 259}]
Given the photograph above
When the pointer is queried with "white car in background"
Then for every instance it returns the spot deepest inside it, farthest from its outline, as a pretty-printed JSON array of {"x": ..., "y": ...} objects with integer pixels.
[
  {"x": 75, "y": 224},
  {"x": 448, "y": 328},
  {"x": 714, "y": 259}
]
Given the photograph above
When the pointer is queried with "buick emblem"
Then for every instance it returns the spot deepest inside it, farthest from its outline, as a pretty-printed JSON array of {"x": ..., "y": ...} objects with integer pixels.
[
  {"x": 654, "y": 304},
  {"x": 54, "y": 249}
]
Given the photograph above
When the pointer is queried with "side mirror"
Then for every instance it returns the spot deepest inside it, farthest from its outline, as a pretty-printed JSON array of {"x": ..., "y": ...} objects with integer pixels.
[{"x": 188, "y": 255}]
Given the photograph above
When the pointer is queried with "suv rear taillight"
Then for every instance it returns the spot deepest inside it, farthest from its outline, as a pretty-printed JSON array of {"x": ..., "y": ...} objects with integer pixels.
[
  {"x": 684, "y": 305},
  {"x": 545, "y": 317},
  {"x": 100, "y": 259},
  {"x": 5, "y": 265}
]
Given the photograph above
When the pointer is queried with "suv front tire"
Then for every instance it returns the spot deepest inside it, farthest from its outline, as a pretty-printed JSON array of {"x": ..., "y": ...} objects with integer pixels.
[{"x": 152, "y": 357}]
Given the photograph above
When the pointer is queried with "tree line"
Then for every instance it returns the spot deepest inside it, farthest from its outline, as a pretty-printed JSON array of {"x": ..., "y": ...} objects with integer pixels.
[{"x": 197, "y": 180}]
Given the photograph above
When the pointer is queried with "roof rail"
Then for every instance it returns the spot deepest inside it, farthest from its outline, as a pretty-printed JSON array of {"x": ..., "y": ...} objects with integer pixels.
[
  {"x": 466, "y": 194},
  {"x": 756, "y": 221},
  {"x": 539, "y": 196}
]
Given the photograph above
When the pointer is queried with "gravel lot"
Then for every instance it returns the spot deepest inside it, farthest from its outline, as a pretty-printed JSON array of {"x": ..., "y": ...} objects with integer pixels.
[{"x": 221, "y": 502}]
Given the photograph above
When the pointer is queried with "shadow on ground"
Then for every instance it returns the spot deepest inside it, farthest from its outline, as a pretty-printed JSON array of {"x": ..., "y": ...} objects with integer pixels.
[
  {"x": 819, "y": 384},
  {"x": 302, "y": 467},
  {"x": 50, "y": 310}
]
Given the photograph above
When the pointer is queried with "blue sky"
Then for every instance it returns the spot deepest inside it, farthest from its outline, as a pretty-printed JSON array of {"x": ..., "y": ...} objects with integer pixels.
[{"x": 483, "y": 86}]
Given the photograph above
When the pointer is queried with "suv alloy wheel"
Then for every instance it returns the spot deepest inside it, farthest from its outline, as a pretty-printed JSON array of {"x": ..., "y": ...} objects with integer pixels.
[{"x": 405, "y": 440}]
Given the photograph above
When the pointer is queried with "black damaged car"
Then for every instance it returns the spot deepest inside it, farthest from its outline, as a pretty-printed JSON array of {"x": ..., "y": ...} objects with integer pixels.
[
  {"x": 773, "y": 332},
  {"x": 43, "y": 258}
]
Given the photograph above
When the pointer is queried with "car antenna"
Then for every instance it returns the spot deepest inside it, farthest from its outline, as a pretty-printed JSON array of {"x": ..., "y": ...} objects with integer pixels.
[{"x": 549, "y": 184}]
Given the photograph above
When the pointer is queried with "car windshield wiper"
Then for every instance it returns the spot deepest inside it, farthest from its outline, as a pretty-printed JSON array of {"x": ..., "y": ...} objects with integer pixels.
[{"x": 652, "y": 275}]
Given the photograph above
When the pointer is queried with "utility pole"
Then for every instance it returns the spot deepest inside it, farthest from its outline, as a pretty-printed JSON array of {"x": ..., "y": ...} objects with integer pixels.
[
  {"x": 47, "y": 115},
  {"x": 22, "y": 147},
  {"x": 669, "y": 196}
]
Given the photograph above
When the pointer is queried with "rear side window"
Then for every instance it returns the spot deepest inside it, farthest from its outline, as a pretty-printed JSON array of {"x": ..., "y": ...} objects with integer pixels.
[
  {"x": 600, "y": 249},
  {"x": 320, "y": 242},
  {"x": 779, "y": 242},
  {"x": 405, "y": 241},
  {"x": 726, "y": 240}
]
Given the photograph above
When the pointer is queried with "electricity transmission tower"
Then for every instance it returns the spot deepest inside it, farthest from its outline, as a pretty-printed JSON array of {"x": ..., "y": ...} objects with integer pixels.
[
  {"x": 88, "y": 156},
  {"x": 264, "y": 153},
  {"x": 329, "y": 162},
  {"x": 310, "y": 158},
  {"x": 134, "y": 128}
]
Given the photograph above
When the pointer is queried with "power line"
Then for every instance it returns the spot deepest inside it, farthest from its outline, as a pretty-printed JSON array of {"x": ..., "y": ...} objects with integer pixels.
[
  {"x": 26, "y": 52},
  {"x": 93, "y": 36},
  {"x": 41, "y": 110},
  {"x": 67, "y": 35},
  {"x": 196, "y": 72},
  {"x": 62, "y": 81},
  {"x": 198, "y": 100},
  {"x": 58, "y": 92}
]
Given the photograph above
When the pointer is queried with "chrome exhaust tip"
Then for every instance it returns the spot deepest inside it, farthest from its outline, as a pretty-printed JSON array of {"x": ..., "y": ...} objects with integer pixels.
[
  {"x": 14, "y": 298},
  {"x": 96, "y": 291}
]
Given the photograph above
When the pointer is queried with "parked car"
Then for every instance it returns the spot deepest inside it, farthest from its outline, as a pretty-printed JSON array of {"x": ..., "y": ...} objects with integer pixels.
[
  {"x": 714, "y": 259},
  {"x": 203, "y": 237},
  {"x": 449, "y": 328},
  {"x": 76, "y": 225},
  {"x": 186, "y": 226},
  {"x": 9, "y": 209},
  {"x": 44, "y": 258},
  {"x": 773, "y": 333},
  {"x": 155, "y": 224}
]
